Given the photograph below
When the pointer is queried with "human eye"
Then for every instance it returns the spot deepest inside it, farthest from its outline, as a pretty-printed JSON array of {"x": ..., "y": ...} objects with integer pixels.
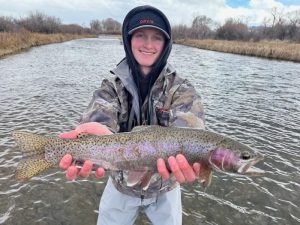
[
  {"x": 158, "y": 37},
  {"x": 138, "y": 35}
]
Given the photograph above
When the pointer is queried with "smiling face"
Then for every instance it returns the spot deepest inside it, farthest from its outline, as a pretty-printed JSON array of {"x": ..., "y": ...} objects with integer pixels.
[{"x": 147, "y": 45}]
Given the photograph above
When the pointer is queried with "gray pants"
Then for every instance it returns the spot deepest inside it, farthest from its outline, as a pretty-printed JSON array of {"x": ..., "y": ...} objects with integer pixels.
[{"x": 117, "y": 208}]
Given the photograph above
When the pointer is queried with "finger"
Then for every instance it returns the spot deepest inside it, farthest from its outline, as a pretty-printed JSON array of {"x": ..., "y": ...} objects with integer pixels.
[
  {"x": 86, "y": 169},
  {"x": 162, "y": 169},
  {"x": 100, "y": 172},
  {"x": 197, "y": 168},
  {"x": 185, "y": 168},
  {"x": 93, "y": 128},
  {"x": 69, "y": 135},
  {"x": 102, "y": 130},
  {"x": 72, "y": 172},
  {"x": 175, "y": 169},
  {"x": 65, "y": 162}
]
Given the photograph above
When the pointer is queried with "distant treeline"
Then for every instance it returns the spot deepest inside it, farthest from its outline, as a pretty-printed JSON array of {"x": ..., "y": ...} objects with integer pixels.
[
  {"x": 41, "y": 23},
  {"x": 279, "y": 26}
]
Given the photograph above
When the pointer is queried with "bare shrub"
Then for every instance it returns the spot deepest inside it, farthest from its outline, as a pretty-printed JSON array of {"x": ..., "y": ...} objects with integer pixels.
[
  {"x": 41, "y": 23},
  {"x": 233, "y": 30},
  {"x": 72, "y": 29},
  {"x": 7, "y": 24},
  {"x": 180, "y": 32}
]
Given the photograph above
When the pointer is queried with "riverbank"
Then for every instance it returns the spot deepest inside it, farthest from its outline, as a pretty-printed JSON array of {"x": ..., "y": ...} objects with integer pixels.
[
  {"x": 267, "y": 49},
  {"x": 11, "y": 43}
]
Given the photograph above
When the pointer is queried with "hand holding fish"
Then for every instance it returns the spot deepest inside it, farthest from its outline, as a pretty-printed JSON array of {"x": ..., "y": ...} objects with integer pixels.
[
  {"x": 94, "y": 128},
  {"x": 179, "y": 166},
  {"x": 66, "y": 162},
  {"x": 73, "y": 171}
]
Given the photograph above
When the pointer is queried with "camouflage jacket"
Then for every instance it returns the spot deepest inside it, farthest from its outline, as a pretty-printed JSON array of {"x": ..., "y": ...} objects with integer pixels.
[{"x": 173, "y": 101}]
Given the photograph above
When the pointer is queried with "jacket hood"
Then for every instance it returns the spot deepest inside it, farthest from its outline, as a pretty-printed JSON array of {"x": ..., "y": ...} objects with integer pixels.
[{"x": 126, "y": 35}]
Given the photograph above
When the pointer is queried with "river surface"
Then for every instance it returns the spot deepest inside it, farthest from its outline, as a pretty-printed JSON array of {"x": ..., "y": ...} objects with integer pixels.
[{"x": 255, "y": 101}]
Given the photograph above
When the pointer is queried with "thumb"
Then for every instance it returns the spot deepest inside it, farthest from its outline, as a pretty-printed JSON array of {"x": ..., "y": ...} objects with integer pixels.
[
  {"x": 69, "y": 135},
  {"x": 197, "y": 168},
  {"x": 93, "y": 128}
]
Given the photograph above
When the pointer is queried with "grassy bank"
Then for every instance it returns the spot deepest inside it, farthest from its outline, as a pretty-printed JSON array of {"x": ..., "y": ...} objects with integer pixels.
[
  {"x": 267, "y": 49},
  {"x": 11, "y": 43}
]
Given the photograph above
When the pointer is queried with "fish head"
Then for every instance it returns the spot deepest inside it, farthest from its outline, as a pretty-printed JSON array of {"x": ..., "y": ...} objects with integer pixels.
[{"x": 236, "y": 161}]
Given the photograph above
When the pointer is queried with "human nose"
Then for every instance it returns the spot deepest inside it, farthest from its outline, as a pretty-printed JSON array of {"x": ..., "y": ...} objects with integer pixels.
[{"x": 148, "y": 42}]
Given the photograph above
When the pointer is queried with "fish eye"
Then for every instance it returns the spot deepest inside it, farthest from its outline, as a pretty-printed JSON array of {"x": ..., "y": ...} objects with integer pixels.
[{"x": 245, "y": 155}]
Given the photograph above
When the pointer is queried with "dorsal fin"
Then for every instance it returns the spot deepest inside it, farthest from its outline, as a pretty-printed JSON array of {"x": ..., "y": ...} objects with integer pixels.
[{"x": 146, "y": 128}]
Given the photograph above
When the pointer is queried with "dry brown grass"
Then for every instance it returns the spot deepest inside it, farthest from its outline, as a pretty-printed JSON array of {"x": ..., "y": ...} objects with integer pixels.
[
  {"x": 11, "y": 43},
  {"x": 267, "y": 49}
]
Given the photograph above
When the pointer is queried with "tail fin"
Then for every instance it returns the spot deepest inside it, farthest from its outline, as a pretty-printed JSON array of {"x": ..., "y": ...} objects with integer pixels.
[{"x": 33, "y": 161}]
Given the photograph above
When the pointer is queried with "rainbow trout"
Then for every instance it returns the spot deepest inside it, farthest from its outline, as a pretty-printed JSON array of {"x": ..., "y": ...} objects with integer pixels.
[{"x": 139, "y": 150}]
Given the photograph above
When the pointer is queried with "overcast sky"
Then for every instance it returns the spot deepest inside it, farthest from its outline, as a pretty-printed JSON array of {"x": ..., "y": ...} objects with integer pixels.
[{"x": 178, "y": 11}]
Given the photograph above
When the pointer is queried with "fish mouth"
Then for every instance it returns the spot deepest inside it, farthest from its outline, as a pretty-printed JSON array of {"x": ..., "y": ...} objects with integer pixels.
[{"x": 246, "y": 167}]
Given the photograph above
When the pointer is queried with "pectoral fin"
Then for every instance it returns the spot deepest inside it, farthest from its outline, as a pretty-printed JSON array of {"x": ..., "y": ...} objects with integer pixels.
[
  {"x": 146, "y": 180},
  {"x": 139, "y": 178},
  {"x": 205, "y": 175},
  {"x": 134, "y": 178}
]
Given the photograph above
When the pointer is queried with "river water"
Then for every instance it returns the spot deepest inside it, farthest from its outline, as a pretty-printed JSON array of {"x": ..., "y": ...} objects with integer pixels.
[{"x": 255, "y": 101}]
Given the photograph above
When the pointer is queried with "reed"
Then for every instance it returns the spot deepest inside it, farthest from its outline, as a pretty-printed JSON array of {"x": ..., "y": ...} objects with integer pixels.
[
  {"x": 13, "y": 42},
  {"x": 280, "y": 50}
]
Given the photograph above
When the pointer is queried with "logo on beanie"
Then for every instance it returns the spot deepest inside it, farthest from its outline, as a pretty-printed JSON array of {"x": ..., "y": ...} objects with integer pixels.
[{"x": 146, "y": 21}]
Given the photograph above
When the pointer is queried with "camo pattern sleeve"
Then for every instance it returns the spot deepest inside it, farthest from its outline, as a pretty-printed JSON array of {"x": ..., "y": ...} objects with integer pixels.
[
  {"x": 186, "y": 109},
  {"x": 104, "y": 106}
]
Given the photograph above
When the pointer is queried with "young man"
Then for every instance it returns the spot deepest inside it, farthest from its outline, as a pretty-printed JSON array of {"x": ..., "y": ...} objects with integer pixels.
[{"x": 145, "y": 90}]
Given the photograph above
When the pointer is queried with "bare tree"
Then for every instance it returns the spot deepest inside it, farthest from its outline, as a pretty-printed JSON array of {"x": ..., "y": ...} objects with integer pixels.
[
  {"x": 96, "y": 25},
  {"x": 233, "y": 30},
  {"x": 293, "y": 28},
  {"x": 201, "y": 27},
  {"x": 110, "y": 25},
  {"x": 7, "y": 24},
  {"x": 277, "y": 16},
  {"x": 180, "y": 32}
]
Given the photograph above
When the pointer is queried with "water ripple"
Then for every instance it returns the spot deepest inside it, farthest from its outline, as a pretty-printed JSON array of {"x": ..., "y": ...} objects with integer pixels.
[{"x": 254, "y": 101}]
